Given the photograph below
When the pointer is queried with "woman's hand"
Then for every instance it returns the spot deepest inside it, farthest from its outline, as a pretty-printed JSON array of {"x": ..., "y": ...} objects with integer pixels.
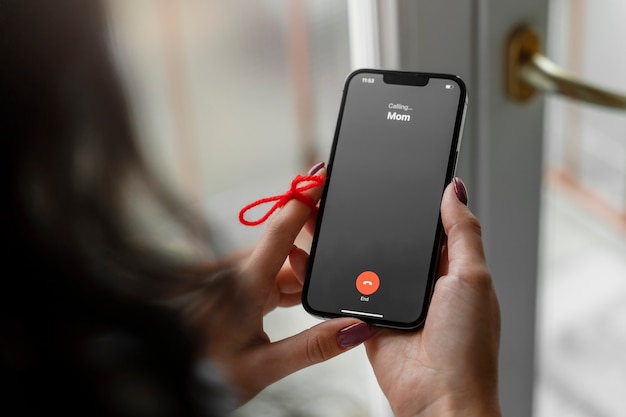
[
  {"x": 450, "y": 366},
  {"x": 231, "y": 308}
]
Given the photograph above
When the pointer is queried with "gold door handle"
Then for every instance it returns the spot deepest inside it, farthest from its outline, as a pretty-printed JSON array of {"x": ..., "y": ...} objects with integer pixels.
[{"x": 528, "y": 70}]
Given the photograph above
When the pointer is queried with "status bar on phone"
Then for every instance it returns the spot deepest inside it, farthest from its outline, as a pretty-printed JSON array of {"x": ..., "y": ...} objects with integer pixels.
[{"x": 361, "y": 313}]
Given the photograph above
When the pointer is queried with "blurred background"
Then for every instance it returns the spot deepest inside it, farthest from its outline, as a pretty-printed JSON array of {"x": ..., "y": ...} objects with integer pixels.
[{"x": 232, "y": 98}]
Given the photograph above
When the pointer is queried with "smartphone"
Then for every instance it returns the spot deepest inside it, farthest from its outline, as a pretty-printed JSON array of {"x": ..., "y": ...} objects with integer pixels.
[{"x": 376, "y": 247}]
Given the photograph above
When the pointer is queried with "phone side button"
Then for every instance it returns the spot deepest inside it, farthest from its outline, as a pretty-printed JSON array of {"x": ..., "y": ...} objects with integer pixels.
[
  {"x": 462, "y": 128},
  {"x": 456, "y": 159}
]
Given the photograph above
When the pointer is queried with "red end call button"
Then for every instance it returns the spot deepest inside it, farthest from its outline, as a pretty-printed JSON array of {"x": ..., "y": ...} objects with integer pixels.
[{"x": 367, "y": 283}]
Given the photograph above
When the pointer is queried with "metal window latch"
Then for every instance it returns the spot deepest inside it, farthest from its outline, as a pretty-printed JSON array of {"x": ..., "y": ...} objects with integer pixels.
[{"x": 528, "y": 70}]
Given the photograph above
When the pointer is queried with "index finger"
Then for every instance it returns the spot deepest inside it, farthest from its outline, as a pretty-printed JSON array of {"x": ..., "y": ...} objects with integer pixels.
[{"x": 270, "y": 253}]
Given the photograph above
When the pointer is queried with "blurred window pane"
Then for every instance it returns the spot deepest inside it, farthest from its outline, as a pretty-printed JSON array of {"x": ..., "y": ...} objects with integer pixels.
[
  {"x": 233, "y": 98},
  {"x": 582, "y": 298}
]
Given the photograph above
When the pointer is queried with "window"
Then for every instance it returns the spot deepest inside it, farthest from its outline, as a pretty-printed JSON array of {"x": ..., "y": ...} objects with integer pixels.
[
  {"x": 231, "y": 100},
  {"x": 582, "y": 287}
]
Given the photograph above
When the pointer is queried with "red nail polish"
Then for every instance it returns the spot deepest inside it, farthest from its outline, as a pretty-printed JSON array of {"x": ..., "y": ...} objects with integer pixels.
[
  {"x": 353, "y": 335},
  {"x": 460, "y": 190}
]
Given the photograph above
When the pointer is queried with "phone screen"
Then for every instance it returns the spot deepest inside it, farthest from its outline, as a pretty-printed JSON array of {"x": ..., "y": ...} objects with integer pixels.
[{"x": 375, "y": 250}]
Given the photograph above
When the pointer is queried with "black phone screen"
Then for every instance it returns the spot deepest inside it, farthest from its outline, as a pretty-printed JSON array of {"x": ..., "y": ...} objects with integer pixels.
[{"x": 376, "y": 246}]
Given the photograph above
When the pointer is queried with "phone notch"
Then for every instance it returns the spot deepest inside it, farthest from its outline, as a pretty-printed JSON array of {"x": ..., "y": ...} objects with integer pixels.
[{"x": 415, "y": 79}]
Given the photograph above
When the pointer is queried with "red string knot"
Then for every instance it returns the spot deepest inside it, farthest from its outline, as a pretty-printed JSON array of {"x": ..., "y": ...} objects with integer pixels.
[{"x": 299, "y": 184}]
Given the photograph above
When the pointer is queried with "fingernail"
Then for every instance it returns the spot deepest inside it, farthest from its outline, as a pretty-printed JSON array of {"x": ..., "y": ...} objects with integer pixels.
[
  {"x": 460, "y": 190},
  {"x": 353, "y": 335},
  {"x": 315, "y": 168}
]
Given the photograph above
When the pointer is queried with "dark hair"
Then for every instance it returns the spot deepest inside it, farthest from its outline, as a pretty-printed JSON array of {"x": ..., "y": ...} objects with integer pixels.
[{"x": 83, "y": 329}]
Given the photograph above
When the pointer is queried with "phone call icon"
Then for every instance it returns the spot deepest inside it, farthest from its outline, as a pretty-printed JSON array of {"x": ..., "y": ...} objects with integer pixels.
[{"x": 367, "y": 283}]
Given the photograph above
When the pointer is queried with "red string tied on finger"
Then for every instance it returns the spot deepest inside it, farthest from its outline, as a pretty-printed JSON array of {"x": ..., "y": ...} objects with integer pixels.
[{"x": 296, "y": 191}]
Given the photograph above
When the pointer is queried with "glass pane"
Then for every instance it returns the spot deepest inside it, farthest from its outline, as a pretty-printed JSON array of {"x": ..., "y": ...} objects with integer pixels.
[
  {"x": 232, "y": 99},
  {"x": 582, "y": 297}
]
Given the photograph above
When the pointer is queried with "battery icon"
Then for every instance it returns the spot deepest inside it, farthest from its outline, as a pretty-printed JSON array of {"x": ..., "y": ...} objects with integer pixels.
[{"x": 449, "y": 86}]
